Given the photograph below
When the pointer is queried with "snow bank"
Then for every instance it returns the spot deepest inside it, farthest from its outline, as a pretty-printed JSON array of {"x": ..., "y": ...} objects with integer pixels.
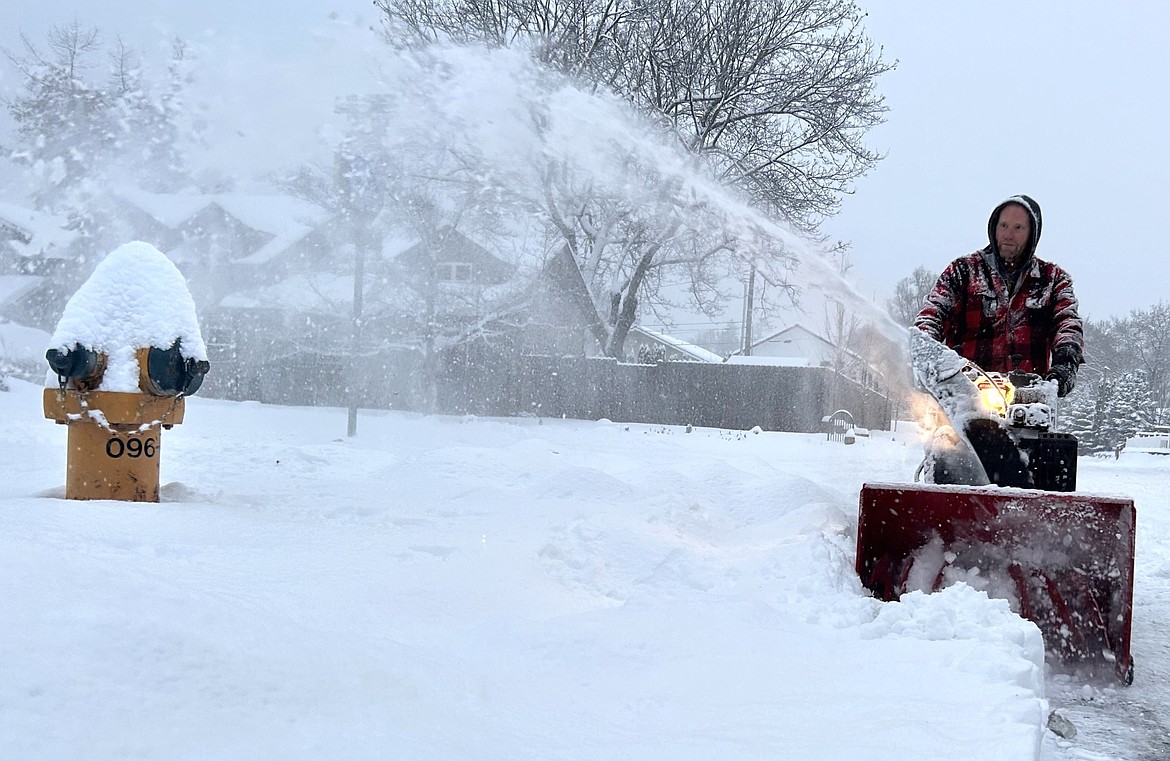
[
  {"x": 1014, "y": 647},
  {"x": 469, "y": 588}
]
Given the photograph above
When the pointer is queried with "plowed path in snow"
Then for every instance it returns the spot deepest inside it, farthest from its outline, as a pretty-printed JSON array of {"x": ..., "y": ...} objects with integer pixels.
[{"x": 1115, "y": 722}]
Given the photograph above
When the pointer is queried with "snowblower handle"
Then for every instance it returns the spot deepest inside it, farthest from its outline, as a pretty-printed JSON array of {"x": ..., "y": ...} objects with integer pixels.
[{"x": 1019, "y": 378}]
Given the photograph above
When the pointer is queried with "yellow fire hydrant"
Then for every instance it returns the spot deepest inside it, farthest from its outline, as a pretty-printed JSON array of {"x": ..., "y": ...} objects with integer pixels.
[{"x": 125, "y": 355}]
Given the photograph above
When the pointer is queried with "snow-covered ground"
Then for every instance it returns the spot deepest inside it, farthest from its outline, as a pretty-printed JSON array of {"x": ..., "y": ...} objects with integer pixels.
[{"x": 469, "y": 588}]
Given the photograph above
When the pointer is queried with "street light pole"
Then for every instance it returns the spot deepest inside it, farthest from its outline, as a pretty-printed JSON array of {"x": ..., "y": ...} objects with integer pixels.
[
  {"x": 355, "y": 346},
  {"x": 362, "y": 198}
]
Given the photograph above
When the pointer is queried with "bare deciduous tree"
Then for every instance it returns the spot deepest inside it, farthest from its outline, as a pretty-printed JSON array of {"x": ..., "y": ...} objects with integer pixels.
[
  {"x": 772, "y": 99},
  {"x": 910, "y": 295},
  {"x": 1151, "y": 331},
  {"x": 1139, "y": 342},
  {"x": 776, "y": 96}
]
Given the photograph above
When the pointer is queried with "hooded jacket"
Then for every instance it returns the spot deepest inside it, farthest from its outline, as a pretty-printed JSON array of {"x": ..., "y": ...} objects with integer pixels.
[{"x": 975, "y": 310}]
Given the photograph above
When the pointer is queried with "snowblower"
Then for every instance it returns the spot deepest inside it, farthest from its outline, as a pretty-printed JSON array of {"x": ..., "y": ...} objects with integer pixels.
[{"x": 997, "y": 508}]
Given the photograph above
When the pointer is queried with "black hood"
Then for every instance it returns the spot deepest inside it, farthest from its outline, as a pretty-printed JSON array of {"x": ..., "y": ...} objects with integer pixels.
[{"x": 1033, "y": 208}]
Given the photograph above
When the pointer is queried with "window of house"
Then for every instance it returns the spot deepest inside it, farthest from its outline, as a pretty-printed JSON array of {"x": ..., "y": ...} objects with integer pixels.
[{"x": 453, "y": 272}]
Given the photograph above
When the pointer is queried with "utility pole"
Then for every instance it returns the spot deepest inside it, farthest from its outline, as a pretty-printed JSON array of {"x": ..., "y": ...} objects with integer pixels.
[{"x": 748, "y": 312}]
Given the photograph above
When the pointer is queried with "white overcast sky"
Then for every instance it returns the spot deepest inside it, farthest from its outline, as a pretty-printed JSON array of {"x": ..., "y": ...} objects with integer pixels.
[{"x": 1064, "y": 100}]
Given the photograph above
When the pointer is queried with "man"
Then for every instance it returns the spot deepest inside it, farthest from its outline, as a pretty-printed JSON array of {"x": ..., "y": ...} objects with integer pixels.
[{"x": 1005, "y": 309}]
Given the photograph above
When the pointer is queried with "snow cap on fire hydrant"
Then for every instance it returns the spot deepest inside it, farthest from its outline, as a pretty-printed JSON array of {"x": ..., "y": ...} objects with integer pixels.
[{"x": 136, "y": 298}]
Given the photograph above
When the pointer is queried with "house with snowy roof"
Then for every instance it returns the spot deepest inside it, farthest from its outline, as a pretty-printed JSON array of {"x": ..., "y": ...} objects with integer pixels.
[
  {"x": 37, "y": 264},
  {"x": 227, "y": 242},
  {"x": 22, "y": 348},
  {"x": 798, "y": 346},
  {"x": 796, "y": 342},
  {"x": 418, "y": 295},
  {"x": 28, "y": 238},
  {"x": 563, "y": 320},
  {"x": 449, "y": 257},
  {"x": 445, "y": 282}
]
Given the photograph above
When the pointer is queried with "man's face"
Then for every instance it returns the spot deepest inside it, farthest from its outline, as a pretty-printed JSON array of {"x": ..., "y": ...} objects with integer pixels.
[{"x": 1012, "y": 231}]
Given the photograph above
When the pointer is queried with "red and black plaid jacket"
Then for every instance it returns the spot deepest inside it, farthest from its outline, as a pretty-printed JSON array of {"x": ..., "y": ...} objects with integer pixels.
[{"x": 971, "y": 311}]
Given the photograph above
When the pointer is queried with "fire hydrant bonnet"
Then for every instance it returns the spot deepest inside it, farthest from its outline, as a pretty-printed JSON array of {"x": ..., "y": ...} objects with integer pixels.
[{"x": 135, "y": 299}]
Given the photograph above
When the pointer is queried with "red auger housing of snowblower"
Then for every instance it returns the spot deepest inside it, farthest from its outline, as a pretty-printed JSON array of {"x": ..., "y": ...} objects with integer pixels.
[{"x": 1064, "y": 560}]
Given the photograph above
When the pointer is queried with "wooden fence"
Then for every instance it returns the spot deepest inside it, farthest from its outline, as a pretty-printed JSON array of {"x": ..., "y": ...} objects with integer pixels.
[
  {"x": 671, "y": 393},
  {"x": 508, "y": 384}
]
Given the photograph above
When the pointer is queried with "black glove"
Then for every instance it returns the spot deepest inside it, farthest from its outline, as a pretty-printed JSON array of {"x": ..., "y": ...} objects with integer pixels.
[
  {"x": 1065, "y": 376},
  {"x": 1065, "y": 361}
]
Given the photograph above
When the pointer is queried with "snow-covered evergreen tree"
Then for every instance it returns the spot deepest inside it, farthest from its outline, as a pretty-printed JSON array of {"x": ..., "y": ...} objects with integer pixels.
[
  {"x": 1129, "y": 409},
  {"x": 61, "y": 117},
  {"x": 1103, "y": 414},
  {"x": 88, "y": 115},
  {"x": 145, "y": 121},
  {"x": 1077, "y": 415}
]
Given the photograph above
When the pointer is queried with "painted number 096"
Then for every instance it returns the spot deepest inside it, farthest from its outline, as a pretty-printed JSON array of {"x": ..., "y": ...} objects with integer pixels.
[{"x": 132, "y": 447}]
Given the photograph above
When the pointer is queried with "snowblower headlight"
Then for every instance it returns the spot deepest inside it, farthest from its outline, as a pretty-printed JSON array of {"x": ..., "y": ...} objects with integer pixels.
[{"x": 995, "y": 394}]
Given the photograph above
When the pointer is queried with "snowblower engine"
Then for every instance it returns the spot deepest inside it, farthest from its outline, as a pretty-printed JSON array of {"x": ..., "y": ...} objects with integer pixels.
[{"x": 1026, "y": 403}]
